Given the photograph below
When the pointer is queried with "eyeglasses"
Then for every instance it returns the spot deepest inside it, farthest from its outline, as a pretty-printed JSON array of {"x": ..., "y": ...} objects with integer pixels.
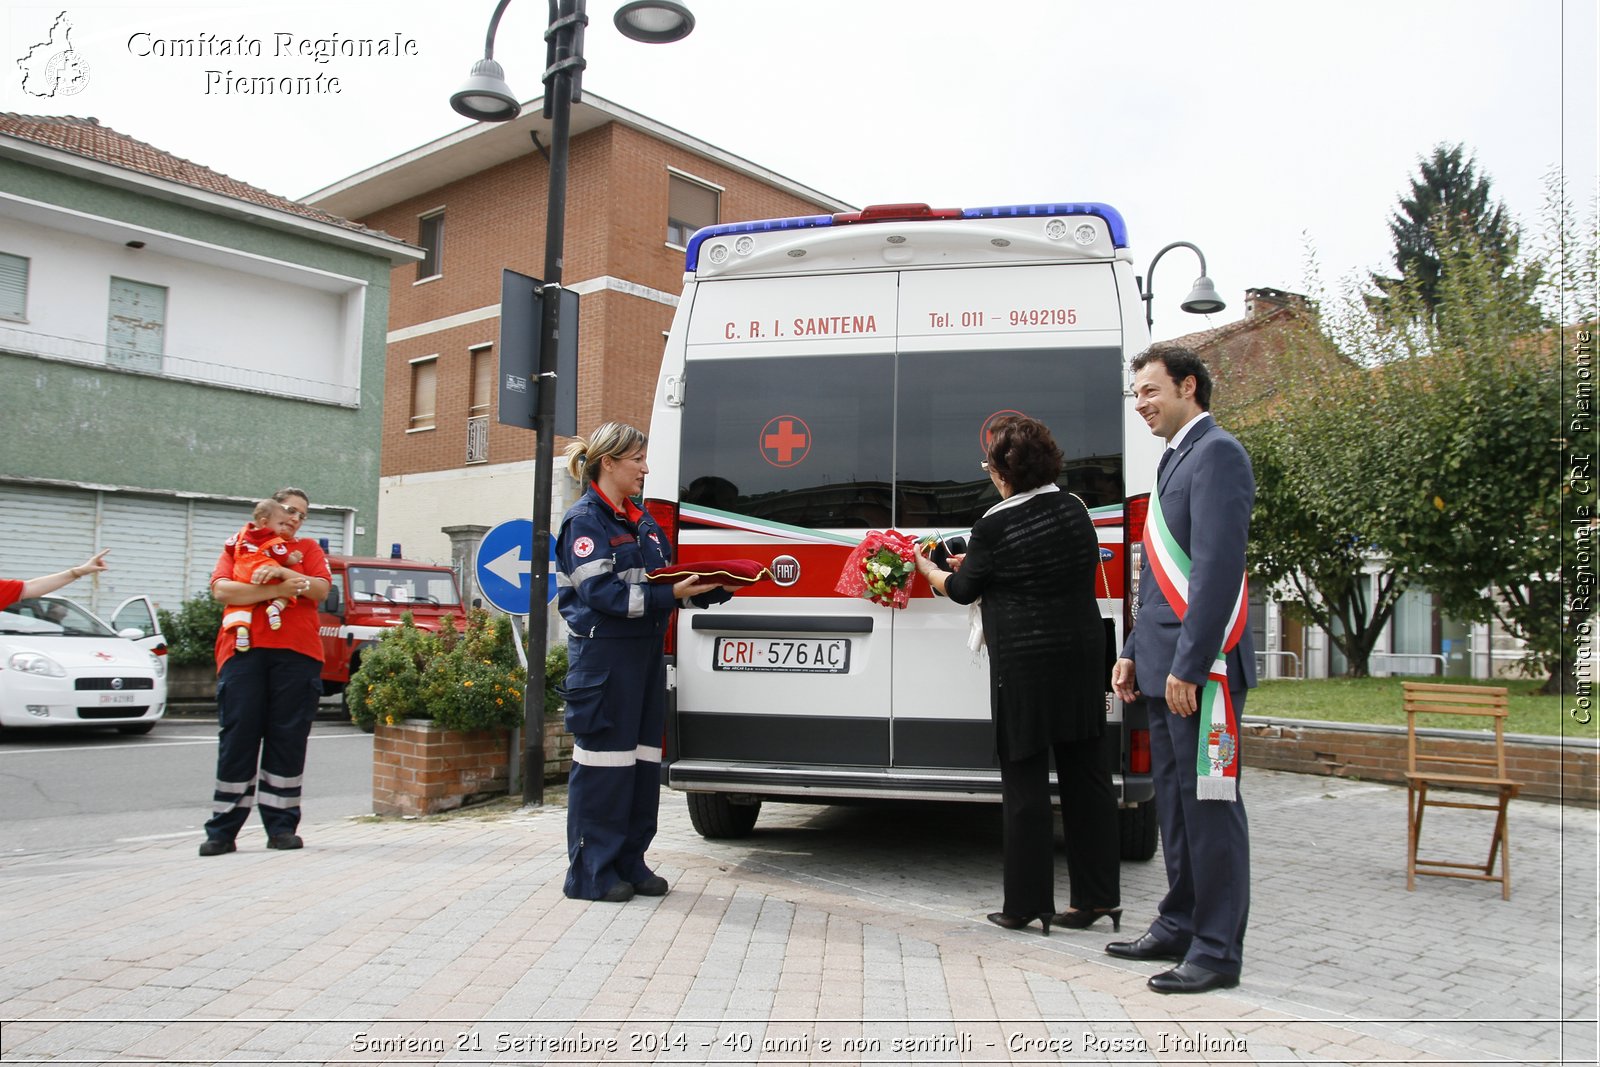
[{"x": 294, "y": 512}]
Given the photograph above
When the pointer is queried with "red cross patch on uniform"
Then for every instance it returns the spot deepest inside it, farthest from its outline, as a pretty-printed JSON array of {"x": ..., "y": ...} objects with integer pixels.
[{"x": 582, "y": 547}]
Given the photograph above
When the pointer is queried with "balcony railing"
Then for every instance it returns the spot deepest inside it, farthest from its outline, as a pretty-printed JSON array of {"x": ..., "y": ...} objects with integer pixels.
[
  {"x": 180, "y": 368},
  {"x": 478, "y": 439}
]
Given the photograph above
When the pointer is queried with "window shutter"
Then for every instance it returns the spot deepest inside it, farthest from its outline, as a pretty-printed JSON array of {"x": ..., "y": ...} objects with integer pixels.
[
  {"x": 483, "y": 373},
  {"x": 692, "y": 203},
  {"x": 13, "y": 286},
  {"x": 424, "y": 391}
]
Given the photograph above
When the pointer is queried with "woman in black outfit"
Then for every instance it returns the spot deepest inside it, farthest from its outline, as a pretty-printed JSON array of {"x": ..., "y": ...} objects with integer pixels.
[{"x": 1033, "y": 565}]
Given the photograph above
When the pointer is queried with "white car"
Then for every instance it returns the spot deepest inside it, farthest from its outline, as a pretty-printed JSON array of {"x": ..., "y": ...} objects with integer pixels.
[{"x": 61, "y": 665}]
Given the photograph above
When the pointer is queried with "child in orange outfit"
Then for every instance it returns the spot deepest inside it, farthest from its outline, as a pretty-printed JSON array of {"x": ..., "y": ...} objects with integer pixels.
[{"x": 261, "y": 544}]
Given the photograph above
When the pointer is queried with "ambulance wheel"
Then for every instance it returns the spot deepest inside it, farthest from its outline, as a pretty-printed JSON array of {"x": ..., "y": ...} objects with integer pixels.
[
  {"x": 1138, "y": 826},
  {"x": 714, "y": 815}
]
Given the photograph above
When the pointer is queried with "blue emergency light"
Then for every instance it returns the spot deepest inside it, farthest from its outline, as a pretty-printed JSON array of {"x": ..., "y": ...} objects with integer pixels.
[{"x": 911, "y": 213}]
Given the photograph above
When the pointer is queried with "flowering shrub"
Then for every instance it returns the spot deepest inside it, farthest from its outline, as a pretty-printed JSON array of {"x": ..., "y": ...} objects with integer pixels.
[
  {"x": 191, "y": 632},
  {"x": 459, "y": 679},
  {"x": 880, "y": 569}
]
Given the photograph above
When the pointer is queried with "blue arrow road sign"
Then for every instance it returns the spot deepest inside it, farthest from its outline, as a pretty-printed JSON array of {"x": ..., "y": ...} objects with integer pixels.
[{"x": 504, "y": 566}]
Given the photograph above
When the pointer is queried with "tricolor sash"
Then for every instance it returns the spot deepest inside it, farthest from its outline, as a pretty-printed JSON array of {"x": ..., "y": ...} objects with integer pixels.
[{"x": 1217, "y": 760}]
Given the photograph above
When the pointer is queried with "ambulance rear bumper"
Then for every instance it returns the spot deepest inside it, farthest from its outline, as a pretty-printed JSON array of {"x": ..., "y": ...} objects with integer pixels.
[{"x": 824, "y": 783}]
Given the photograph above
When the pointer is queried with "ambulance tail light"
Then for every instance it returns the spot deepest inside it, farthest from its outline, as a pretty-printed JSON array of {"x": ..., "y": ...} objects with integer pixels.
[
  {"x": 1139, "y": 751},
  {"x": 896, "y": 213},
  {"x": 1135, "y": 509},
  {"x": 665, "y": 512}
]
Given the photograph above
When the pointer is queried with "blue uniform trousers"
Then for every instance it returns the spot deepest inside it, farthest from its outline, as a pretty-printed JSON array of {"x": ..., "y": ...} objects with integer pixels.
[
  {"x": 616, "y": 692},
  {"x": 1206, "y": 845},
  {"x": 266, "y": 702}
]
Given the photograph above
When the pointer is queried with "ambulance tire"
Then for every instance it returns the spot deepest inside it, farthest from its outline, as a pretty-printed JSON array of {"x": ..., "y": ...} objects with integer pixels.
[
  {"x": 715, "y": 816},
  {"x": 1139, "y": 830}
]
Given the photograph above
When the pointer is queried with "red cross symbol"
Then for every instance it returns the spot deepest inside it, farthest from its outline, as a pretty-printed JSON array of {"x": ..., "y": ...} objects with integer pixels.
[
  {"x": 785, "y": 441},
  {"x": 986, "y": 431},
  {"x": 105, "y": 656}
]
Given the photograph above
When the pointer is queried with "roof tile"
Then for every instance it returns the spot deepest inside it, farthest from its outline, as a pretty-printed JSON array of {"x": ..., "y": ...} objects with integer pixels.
[{"x": 85, "y": 137}]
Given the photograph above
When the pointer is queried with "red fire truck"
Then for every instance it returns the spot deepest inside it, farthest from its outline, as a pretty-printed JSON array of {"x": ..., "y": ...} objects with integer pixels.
[{"x": 369, "y": 595}]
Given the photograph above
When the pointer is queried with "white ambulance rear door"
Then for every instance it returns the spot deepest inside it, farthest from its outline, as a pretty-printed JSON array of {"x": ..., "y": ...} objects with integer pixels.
[
  {"x": 786, "y": 457},
  {"x": 975, "y": 344}
]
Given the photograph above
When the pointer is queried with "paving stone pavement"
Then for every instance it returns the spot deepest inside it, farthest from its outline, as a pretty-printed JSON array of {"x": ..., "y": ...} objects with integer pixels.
[{"x": 830, "y": 936}]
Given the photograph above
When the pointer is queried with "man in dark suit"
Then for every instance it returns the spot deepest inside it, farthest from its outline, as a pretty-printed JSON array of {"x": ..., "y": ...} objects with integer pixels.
[{"x": 1193, "y": 623}]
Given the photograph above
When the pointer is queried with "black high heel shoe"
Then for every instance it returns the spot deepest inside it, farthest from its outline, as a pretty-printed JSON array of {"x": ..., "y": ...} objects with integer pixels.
[
  {"x": 1017, "y": 922},
  {"x": 1084, "y": 918}
]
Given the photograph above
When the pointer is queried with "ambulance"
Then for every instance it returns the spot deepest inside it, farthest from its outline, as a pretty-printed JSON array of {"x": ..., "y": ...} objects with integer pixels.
[{"x": 833, "y": 375}]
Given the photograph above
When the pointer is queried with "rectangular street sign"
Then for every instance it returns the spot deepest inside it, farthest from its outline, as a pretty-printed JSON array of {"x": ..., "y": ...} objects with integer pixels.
[{"x": 521, "y": 311}]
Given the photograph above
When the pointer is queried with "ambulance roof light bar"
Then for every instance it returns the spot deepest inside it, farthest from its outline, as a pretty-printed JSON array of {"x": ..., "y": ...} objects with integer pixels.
[{"x": 911, "y": 213}]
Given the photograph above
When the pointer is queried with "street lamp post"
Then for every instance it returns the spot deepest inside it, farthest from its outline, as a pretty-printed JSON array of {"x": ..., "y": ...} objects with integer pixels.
[
  {"x": 486, "y": 98},
  {"x": 1202, "y": 298}
]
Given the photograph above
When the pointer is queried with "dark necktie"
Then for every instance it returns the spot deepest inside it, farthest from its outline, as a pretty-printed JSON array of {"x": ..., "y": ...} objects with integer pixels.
[{"x": 1166, "y": 456}]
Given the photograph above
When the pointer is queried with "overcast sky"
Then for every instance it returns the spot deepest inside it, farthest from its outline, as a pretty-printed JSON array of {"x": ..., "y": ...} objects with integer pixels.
[{"x": 1255, "y": 129}]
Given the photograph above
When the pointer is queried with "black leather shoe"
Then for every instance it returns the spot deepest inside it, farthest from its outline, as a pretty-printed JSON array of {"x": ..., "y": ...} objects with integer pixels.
[
  {"x": 216, "y": 846},
  {"x": 1147, "y": 947},
  {"x": 1189, "y": 977},
  {"x": 285, "y": 841},
  {"x": 653, "y": 886},
  {"x": 620, "y": 893}
]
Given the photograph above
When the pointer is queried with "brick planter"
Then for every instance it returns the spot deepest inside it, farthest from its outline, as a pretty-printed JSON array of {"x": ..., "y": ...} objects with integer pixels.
[
  {"x": 419, "y": 769},
  {"x": 1550, "y": 768},
  {"x": 557, "y": 747}
]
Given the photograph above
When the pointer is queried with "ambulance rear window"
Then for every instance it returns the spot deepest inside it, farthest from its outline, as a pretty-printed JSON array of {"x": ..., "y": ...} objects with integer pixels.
[
  {"x": 806, "y": 440},
  {"x": 870, "y": 441},
  {"x": 946, "y": 402}
]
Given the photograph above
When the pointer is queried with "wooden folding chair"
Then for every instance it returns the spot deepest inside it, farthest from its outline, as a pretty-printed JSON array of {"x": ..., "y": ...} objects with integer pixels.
[{"x": 1438, "y": 762}]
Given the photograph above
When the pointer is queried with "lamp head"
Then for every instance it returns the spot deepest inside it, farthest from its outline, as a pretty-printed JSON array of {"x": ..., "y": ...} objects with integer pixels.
[
  {"x": 1203, "y": 298},
  {"x": 654, "y": 21},
  {"x": 485, "y": 96}
]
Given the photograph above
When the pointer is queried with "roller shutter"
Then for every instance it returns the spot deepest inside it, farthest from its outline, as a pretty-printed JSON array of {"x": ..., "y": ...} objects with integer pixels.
[{"x": 161, "y": 547}]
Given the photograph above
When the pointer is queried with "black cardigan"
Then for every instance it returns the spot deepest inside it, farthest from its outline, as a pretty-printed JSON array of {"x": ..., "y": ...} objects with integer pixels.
[{"x": 1037, "y": 567}]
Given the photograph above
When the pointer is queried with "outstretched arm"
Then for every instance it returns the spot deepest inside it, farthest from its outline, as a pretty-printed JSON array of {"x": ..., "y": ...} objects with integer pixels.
[{"x": 49, "y": 583}]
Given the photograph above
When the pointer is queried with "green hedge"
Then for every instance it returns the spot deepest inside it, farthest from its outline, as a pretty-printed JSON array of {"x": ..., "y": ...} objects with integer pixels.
[{"x": 191, "y": 631}]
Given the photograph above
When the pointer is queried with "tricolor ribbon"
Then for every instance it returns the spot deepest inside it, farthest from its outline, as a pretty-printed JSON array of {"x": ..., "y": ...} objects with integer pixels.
[{"x": 1217, "y": 760}]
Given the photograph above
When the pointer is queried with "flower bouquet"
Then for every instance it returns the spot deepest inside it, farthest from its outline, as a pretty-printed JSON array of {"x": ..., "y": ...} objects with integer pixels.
[{"x": 880, "y": 569}]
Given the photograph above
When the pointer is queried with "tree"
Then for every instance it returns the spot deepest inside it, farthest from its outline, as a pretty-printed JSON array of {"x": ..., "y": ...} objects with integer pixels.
[
  {"x": 1456, "y": 427},
  {"x": 1480, "y": 520},
  {"x": 1314, "y": 531},
  {"x": 1449, "y": 205},
  {"x": 1436, "y": 458}
]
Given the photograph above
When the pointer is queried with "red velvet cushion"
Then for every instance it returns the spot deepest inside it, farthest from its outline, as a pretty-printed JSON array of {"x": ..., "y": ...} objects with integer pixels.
[{"x": 723, "y": 571}]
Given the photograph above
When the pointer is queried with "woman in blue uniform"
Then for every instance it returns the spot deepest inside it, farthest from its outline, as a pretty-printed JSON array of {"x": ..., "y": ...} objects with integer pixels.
[{"x": 616, "y": 688}]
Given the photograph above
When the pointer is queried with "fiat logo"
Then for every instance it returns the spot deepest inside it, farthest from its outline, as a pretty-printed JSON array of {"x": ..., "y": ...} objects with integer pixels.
[
  {"x": 116, "y": 683},
  {"x": 785, "y": 570}
]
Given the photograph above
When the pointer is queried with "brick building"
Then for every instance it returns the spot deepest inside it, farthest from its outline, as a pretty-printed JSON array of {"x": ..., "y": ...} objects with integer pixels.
[{"x": 475, "y": 200}]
